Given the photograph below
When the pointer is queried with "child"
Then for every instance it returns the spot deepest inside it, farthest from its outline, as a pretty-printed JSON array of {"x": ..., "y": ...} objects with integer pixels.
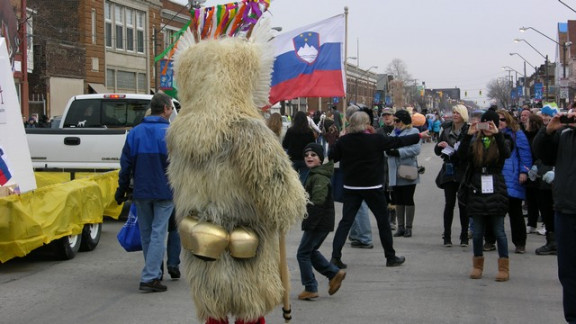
[{"x": 317, "y": 225}]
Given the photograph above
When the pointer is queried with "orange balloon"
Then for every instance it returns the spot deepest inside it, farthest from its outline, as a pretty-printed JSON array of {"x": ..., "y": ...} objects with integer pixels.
[{"x": 418, "y": 119}]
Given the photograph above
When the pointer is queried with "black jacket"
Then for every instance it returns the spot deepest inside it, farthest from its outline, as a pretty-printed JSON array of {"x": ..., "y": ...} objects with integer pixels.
[
  {"x": 294, "y": 143},
  {"x": 482, "y": 204},
  {"x": 449, "y": 136},
  {"x": 321, "y": 206},
  {"x": 559, "y": 149}
]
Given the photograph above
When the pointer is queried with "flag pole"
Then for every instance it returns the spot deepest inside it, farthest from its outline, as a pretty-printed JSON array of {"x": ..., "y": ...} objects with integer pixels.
[{"x": 345, "y": 58}]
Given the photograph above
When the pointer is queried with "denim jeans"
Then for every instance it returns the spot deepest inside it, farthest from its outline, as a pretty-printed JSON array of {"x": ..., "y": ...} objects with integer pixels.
[
  {"x": 497, "y": 223},
  {"x": 361, "y": 230},
  {"x": 174, "y": 246},
  {"x": 376, "y": 201},
  {"x": 309, "y": 257},
  {"x": 153, "y": 216},
  {"x": 566, "y": 242}
]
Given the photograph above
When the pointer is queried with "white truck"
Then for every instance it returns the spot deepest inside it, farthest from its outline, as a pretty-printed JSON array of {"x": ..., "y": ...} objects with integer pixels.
[{"x": 91, "y": 133}]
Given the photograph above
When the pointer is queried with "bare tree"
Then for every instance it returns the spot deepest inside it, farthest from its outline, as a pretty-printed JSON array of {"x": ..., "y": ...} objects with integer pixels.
[
  {"x": 398, "y": 69},
  {"x": 499, "y": 90},
  {"x": 397, "y": 92}
]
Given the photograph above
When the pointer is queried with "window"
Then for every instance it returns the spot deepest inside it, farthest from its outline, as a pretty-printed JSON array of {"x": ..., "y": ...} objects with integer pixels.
[
  {"x": 108, "y": 27},
  {"x": 119, "y": 24},
  {"x": 126, "y": 80},
  {"x": 140, "y": 31},
  {"x": 168, "y": 37},
  {"x": 130, "y": 30},
  {"x": 142, "y": 84},
  {"x": 110, "y": 79}
]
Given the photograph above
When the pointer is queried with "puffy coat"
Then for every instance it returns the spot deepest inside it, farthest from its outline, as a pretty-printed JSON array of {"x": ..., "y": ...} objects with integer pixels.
[
  {"x": 321, "y": 206},
  {"x": 408, "y": 156},
  {"x": 478, "y": 203},
  {"x": 520, "y": 161}
]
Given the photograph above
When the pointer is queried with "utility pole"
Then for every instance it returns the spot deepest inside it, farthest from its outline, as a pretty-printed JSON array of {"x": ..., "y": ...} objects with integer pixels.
[{"x": 24, "y": 57}]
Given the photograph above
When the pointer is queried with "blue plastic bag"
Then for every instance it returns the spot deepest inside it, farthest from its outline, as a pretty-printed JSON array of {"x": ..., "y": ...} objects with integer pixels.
[{"x": 129, "y": 235}]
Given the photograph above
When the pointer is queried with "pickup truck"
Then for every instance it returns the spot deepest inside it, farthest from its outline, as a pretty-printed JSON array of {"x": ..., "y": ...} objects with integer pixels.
[{"x": 91, "y": 133}]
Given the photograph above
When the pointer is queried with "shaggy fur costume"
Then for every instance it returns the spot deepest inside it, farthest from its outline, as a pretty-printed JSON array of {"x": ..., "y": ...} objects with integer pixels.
[{"x": 227, "y": 167}]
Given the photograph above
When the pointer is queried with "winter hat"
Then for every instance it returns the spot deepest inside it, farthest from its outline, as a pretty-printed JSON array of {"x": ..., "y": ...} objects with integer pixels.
[
  {"x": 548, "y": 111},
  {"x": 387, "y": 111},
  {"x": 404, "y": 117},
  {"x": 418, "y": 119},
  {"x": 491, "y": 115},
  {"x": 316, "y": 148}
]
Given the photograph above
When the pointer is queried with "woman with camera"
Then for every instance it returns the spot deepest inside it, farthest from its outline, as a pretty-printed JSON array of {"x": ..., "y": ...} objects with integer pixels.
[{"x": 484, "y": 150}]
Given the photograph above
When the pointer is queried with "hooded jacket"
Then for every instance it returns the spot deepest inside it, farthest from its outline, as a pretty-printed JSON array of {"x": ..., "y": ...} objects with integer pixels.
[
  {"x": 321, "y": 206},
  {"x": 520, "y": 161}
]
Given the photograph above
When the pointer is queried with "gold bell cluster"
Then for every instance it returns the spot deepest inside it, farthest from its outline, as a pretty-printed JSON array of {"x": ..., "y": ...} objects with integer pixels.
[{"x": 208, "y": 241}]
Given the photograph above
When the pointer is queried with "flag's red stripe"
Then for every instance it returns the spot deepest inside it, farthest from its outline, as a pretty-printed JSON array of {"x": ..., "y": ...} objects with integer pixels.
[{"x": 317, "y": 84}]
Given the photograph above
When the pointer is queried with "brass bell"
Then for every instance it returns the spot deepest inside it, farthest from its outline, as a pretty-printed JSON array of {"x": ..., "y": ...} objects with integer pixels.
[
  {"x": 185, "y": 231},
  {"x": 243, "y": 243},
  {"x": 208, "y": 241}
]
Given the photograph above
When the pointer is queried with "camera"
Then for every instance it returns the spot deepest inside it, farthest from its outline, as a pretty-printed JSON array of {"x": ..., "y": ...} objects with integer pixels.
[
  {"x": 483, "y": 126},
  {"x": 565, "y": 120}
]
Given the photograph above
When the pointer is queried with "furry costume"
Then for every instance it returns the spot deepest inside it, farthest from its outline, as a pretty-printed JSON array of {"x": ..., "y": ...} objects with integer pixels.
[{"x": 227, "y": 167}]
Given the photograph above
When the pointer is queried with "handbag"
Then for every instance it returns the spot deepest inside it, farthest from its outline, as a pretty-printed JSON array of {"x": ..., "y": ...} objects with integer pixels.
[
  {"x": 129, "y": 235},
  {"x": 408, "y": 172},
  {"x": 445, "y": 175}
]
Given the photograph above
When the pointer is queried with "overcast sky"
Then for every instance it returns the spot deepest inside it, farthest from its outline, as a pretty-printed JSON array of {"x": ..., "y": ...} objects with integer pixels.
[{"x": 445, "y": 43}]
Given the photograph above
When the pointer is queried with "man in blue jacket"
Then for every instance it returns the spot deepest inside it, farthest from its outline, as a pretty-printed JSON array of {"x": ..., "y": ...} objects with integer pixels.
[{"x": 145, "y": 160}]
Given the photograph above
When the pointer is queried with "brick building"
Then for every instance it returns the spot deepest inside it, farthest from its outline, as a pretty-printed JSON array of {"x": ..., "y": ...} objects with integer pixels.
[{"x": 97, "y": 46}]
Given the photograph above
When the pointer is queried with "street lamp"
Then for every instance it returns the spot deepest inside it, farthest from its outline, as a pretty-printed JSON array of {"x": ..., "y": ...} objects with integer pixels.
[
  {"x": 525, "y": 90},
  {"x": 525, "y": 61},
  {"x": 567, "y": 5},
  {"x": 517, "y": 40}
]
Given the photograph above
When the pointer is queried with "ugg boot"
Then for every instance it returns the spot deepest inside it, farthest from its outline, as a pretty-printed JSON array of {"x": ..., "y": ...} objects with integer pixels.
[
  {"x": 503, "y": 269},
  {"x": 550, "y": 247},
  {"x": 477, "y": 267}
]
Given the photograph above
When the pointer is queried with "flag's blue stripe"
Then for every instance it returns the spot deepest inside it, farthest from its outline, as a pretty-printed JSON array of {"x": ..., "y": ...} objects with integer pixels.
[{"x": 288, "y": 66}]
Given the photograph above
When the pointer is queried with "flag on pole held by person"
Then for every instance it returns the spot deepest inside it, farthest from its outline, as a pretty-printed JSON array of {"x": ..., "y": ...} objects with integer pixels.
[{"x": 309, "y": 61}]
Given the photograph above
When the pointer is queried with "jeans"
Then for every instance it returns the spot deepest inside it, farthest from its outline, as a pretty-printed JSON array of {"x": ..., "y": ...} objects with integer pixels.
[
  {"x": 517, "y": 223},
  {"x": 376, "y": 201},
  {"x": 174, "y": 246},
  {"x": 153, "y": 216},
  {"x": 309, "y": 257},
  {"x": 361, "y": 230},
  {"x": 566, "y": 242},
  {"x": 302, "y": 169},
  {"x": 497, "y": 223}
]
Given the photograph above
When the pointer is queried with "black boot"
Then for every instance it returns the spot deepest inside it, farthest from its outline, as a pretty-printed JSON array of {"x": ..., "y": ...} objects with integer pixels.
[
  {"x": 550, "y": 247},
  {"x": 408, "y": 232},
  {"x": 338, "y": 262},
  {"x": 400, "y": 232}
]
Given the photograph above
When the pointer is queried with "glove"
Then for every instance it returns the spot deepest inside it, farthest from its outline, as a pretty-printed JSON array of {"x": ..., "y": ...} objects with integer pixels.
[
  {"x": 120, "y": 196},
  {"x": 548, "y": 177},
  {"x": 393, "y": 152},
  {"x": 533, "y": 173}
]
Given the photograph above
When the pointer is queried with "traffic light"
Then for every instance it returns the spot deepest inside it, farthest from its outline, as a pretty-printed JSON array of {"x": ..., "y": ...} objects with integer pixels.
[
  {"x": 480, "y": 92},
  {"x": 465, "y": 93}
]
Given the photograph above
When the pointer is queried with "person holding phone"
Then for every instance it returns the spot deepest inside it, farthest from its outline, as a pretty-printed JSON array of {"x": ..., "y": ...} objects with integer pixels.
[
  {"x": 484, "y": 153},
  {"x": 556, "y": 145}
]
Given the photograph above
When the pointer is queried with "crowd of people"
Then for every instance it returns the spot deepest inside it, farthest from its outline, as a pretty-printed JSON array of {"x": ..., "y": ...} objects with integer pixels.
[{"x": 493, "y": 162}]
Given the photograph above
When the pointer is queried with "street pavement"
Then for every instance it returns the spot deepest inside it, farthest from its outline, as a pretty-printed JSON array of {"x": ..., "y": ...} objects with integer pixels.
[{"x": 431, "y": 287}]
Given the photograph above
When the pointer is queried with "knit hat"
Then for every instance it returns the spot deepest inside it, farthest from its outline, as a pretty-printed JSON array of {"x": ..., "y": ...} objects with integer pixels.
[
  {"x": 491, "y": 115},
  {"x": 418, "y": 119},
  {"x": 548, "y": 111},
  {"x": 404, "y": 117},
  {"x": 316, "y": 148},
  {"x": 387, "y": 111}
]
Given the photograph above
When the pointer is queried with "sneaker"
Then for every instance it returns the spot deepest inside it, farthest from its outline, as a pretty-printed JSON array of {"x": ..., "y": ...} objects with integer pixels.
[
  {"x": 489, "y": 247},
  {"x": 336, "y": 282},
  {"x": 541, "y": 230},
  {"x": 360, "y": 245},
  {"x": 174, "y": 272},
  {"x": 395, "y": 261},
  {"x": 393, "y": 226},
  {"x": 520, "y": 249},
  {"x": 307, "y": 295},
  {"x": 464, "y": 243},
  {"x": 447, "y": 242},
  {"x": 338, "y": 263},
  {"x": 153, "y": 286},
  {"x": 530, "y": 230}
]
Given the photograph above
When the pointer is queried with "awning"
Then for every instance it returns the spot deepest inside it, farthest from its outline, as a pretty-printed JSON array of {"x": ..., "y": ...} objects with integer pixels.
[{"x": 98, "y": 87}]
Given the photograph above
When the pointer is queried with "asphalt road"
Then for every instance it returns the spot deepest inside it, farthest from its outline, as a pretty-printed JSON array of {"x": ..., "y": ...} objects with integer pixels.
[{"x": 431, "y": 287}]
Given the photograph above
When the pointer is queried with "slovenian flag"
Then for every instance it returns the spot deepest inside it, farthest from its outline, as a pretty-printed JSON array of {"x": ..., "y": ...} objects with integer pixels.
[
  {"x": 309, "y": 61},
  {"x": 4, "y": 172}
]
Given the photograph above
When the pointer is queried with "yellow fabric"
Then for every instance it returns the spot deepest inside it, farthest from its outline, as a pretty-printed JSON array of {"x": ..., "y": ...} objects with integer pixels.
[{"x": 29, "y": 220}]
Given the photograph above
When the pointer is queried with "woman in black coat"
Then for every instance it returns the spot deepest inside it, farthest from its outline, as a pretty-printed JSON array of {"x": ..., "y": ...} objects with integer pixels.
[{"x": 484, "y": 189}]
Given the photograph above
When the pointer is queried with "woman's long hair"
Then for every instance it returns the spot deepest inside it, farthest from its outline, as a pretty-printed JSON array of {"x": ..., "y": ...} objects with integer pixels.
[
  {"x": 300, "y": 123},
  {"x": 510, "y": 121},
  {"x": 482, "y": 156},
  {"x": 275, "y": 123}
]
